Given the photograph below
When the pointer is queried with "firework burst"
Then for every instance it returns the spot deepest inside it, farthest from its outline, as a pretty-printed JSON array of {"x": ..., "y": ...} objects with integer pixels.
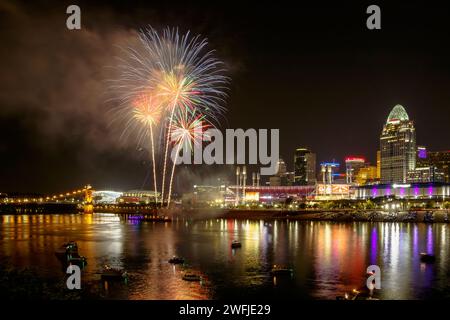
[
  {"x": 188, "y": 127},
  {"x": 179, "y": 73},
  {"x": 188, "y": 131},
  {"x": 147, "y": 111}
]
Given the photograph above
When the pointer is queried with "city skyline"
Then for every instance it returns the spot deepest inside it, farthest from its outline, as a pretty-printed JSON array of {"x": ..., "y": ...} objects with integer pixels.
[{"x": 398, "y": 115}]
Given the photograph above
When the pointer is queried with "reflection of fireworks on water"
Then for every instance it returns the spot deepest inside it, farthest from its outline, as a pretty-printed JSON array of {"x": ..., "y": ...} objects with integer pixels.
[
  {"x": 179, "y": 73},
  {"x": 188, "y": 128}
]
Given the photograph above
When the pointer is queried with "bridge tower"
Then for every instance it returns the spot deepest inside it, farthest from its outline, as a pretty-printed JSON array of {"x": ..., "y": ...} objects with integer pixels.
[{"x": 88, "y": 201}]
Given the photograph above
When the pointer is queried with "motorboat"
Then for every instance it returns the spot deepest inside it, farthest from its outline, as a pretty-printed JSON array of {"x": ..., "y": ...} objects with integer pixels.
[
  {"x": 279, "y": 270},
  {"x": 113, "y": 274},
  {"x": 427, "y": 258},
  {"x": 68, "y": 254},
  {"x": 235, "y": 244},
  {"x": 191, "y": 277},
  {"x": 66, "y": 249},
  {"x": 361, "y": 294},
  {"x": 176, "y": 260}
]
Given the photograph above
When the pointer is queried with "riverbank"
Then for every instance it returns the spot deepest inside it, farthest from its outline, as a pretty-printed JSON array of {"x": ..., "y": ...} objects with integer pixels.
[
  {"x": 428, "y": 216},
  {"x": 343, "y": 215}
]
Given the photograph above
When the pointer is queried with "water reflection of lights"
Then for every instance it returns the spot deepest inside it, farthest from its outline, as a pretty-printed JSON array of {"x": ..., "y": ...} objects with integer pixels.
[
  {"x": 363, "y": 233},
  {"x": 394, "y": 242},
  {"x": 443, "y": 252},
  {"x": 295, "y": 236},
  {"x": 253, "y": 232},
  {"x": 415, "y": 241},
  {"x": 325, "y": 256},
  {"x": 430, "y": 248},
  {"x": 373, "y": 246},
  {"x": 327, "y": 242},
  {"x": 275, "y": 233}
]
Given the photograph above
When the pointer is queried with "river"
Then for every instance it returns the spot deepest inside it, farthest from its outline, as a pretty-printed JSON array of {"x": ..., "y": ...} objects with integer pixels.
[{"x": 328, "y": 258}]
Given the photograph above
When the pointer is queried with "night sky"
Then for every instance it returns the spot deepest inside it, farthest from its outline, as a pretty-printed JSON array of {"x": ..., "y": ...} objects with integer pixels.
[{"x": 312, "y": 70}]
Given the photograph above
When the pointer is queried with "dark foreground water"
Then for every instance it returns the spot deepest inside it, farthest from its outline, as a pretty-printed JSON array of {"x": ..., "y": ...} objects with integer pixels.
[{"x": 327, "y": 258}]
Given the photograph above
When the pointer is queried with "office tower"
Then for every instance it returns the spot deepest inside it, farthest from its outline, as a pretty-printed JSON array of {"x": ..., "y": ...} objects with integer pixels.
[
  {"x": 440, "y": 160},
  {"x": 397, "y": 146},
  {"x": 304, "y": 167}
]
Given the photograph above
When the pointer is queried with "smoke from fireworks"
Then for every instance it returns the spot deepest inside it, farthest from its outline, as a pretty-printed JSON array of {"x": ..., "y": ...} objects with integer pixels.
[{"x": 179, "y": 74}]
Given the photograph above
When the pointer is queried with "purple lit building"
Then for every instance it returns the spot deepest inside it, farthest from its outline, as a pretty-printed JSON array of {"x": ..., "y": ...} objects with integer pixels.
[{"x": 436, "y": 190}]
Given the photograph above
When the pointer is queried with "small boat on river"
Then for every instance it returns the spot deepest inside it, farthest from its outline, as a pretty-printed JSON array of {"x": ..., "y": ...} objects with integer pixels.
[
  {"x": 68, "y": 254},
  {"x": 361, "y": 294},
  {"x": 191, "y": 277},
  {"x": 427, "y": 258},
  {"x": 176, "y": 260},
  {"x": 281, "y": 271},
  {"x": 235, "y": 244},
  {"x": 66, "y": 249},
  {"x": 114, "y": 274}
]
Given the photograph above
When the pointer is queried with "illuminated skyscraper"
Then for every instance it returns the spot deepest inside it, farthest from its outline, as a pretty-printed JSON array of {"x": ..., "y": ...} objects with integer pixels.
[
  {"x": 397, "y": 146},
  {"x": 304, "y": 167}
]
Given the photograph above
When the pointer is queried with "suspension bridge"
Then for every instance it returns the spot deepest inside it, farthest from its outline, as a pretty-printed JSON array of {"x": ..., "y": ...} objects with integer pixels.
[{"x": 71, "y": 201}]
